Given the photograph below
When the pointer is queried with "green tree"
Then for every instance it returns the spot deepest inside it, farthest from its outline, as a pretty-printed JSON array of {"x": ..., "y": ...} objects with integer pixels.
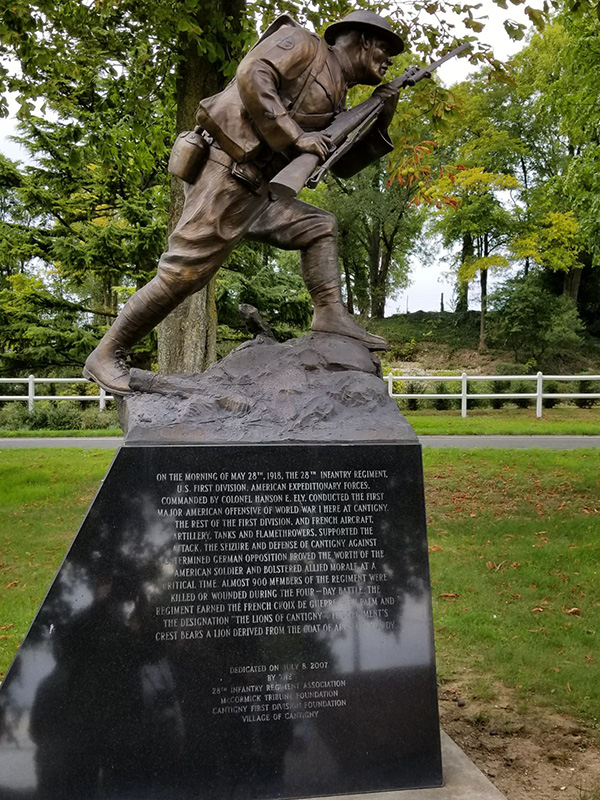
[
  {"x": 103, "y": 88},
  {"x": 379, "y": 230},
  {"x": 535, "y": 324},
  {"x": 475, "y": 213},
  {"x": 116, "y": 82}
]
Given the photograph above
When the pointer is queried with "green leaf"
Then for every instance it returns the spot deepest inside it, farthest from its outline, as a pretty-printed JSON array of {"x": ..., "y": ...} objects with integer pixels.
[
  {"x": 515, "y": 30},
  {"x": 537, "y": 17}
]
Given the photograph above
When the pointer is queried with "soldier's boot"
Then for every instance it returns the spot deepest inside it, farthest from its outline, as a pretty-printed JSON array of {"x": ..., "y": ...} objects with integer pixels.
[
  {"x": 321, "y": 274},
  {"x": 142, "y": 312}
]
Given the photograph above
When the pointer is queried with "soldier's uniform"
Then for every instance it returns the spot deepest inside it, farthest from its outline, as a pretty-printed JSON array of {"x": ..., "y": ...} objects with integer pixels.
[{"x": 290, "y": 83}]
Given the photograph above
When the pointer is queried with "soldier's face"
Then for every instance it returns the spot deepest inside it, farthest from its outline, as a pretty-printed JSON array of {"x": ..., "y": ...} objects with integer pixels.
[{"x": 376, "y": 60}]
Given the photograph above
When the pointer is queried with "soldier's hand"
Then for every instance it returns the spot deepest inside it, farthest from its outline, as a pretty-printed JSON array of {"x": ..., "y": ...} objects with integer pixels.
[
  {"x": 390, "y": 101},
  {"x": 319, "y": 144}
]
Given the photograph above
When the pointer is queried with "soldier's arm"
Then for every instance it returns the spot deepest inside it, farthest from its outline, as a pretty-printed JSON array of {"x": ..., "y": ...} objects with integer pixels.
[
  {"x": 260, "y": 77},
  {"x": 374, "y": 143}
]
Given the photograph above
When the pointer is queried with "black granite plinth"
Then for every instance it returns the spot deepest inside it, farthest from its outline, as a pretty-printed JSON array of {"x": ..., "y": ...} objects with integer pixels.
[{"x": 236, "y": 622}]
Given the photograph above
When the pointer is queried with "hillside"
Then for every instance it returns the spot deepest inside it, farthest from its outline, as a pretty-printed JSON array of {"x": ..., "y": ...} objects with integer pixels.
[{"x": 431, "y": 341}]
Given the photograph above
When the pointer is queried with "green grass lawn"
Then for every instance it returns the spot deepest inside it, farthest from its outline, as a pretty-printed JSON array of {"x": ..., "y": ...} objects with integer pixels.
[
  {"x": 45, "y": 494},
  {"x": 514, "y": 548},
  {"x": 509, "y": 421}
]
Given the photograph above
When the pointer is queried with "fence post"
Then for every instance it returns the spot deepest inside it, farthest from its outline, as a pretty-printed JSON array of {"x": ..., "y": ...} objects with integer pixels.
[
  {"x": 30, "y": 392},
  {"x": 102, "y": 402},
  {"x": 539, "y": 390},
  {"x": 390, "y": 382},
  {"x": 463, "y": 391}
]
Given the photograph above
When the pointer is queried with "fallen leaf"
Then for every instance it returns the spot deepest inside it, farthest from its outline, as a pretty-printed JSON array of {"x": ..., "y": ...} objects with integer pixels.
[
  {"x": 590, "y": 659},
  {"x": 569, "y": 688},
  {"x": 538, "y": 608},
  {"x": 516, "y": 596},
  {"x": 491, "y": 564},
  {"x": 574, "y": 612},
  {"x": 556, "y": 669},
  {"x": 434, "y": 548},
  {"x": 450, "y": 595},
  {"x": 12, "y": 584}
]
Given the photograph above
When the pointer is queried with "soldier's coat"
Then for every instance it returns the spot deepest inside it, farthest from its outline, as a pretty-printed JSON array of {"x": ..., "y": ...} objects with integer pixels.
[
  {"x": 290, "y": 83},
  {"x": 260, "y": 107}
]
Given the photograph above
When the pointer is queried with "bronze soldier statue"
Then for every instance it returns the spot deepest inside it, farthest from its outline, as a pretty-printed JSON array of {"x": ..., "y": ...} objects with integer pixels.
[{"x": 287, "y": 89}]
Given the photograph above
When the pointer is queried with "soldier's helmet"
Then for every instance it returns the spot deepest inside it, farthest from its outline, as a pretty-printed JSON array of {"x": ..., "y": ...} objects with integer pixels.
[{"x": 367, "y": 20}]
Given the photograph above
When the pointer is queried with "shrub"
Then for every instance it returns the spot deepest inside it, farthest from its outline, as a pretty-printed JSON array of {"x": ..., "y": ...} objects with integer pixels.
[
  {"x": 94, "y": 419},
  {"x": 411, "y": 387},
  {"x": 38, "y": 418},
  {"x": 585, "y": 386},
  {"x": 497, "y": 387},
  {"x": 15, "y": 416},
  {"x": 532, "y": 322},
  {"x": 404, "y": 351},
  {"x": 472, "y": 389},
  {"x": 522, "y": 387},
  {"x": 64, "y": 416},
  {"x": 550, "y": 387},
  {"x": 441, "y": 404}
]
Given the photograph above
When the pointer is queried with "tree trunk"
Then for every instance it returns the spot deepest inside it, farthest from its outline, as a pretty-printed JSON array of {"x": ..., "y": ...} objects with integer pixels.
[
  {"x": 347, "y": 271},
  {"x": 462, "y": 287},
  {"x": 361, "y": 294},
  {"x": 377, "y": 291},
  {"x": 187, "y": 338},
  {"x": 348, "y": 282},
  {"x": 527, "y": 209},
  {"x": 381, "y": 291},
  {"x": 483, "y": 278},
  {"x": 572, "y": 282},
  {"x": 483, "y": 282}
]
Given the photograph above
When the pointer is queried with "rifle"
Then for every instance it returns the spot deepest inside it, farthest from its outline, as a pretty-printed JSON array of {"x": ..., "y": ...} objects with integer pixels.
[{"x": 344, "y": 131}]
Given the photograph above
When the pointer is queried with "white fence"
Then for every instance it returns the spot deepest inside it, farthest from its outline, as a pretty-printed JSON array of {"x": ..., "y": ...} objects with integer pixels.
[
  {"x": 539, "y": 395},
  {"x": 464, "y": 395},
  {"x": 31, "y": 396}
]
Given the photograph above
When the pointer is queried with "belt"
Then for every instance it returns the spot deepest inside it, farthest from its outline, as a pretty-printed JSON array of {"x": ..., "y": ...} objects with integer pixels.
[
  {"x": 249, "y": 174},
  {"x": 220, "y": 156}
]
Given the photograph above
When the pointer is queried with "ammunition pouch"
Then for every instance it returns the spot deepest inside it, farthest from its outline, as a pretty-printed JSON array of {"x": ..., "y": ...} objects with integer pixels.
[
  {"x": 250, "y": 175},
  {"x": 188, "y": 155}
]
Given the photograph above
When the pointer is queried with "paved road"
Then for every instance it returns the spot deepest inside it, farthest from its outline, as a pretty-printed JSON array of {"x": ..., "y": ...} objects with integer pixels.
[{"x": 466, "y": 442}]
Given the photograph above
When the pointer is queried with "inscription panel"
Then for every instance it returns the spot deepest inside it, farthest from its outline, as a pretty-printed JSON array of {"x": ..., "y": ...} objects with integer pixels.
[{"x": 253, "y": 618}]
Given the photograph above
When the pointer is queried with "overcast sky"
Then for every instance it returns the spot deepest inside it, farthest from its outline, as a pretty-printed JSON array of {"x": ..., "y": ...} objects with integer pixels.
[{"x": 428, "y": 280}]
